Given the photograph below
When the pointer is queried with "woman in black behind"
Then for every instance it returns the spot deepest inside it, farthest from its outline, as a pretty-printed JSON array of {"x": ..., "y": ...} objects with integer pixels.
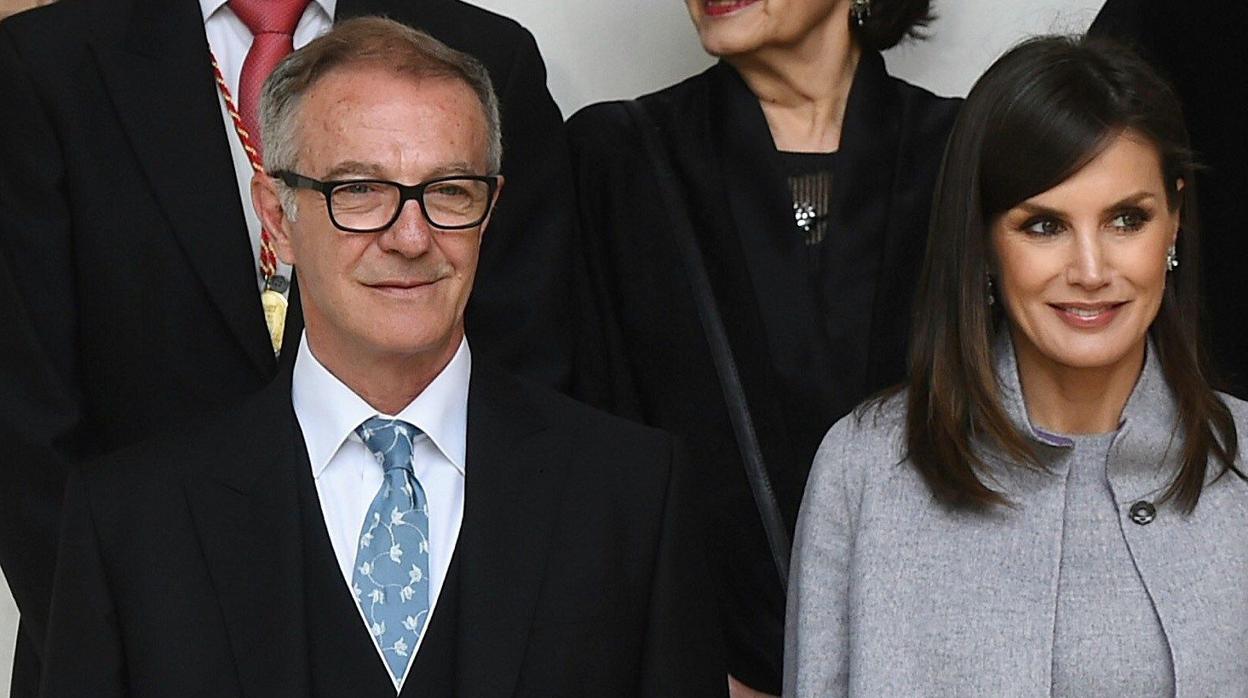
[{"x": 807, "y": 173}]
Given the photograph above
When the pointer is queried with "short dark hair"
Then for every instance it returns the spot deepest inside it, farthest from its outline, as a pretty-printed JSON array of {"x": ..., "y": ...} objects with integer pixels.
[
  {"x": 1037, "y": 116},
  {"x": 890, "y": 21}
]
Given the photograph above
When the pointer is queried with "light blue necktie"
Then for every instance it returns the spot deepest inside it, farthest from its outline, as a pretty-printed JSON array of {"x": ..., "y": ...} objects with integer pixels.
[{"x": 391, "y": 579}]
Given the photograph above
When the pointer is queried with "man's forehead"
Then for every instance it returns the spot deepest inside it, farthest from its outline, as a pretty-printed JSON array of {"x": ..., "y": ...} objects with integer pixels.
[
  {"x": 350, "y": 118},
  {"x": 342, "y": 78},
  {"x": 365, "y": 168},
  {"x": 342, "y": 96}
]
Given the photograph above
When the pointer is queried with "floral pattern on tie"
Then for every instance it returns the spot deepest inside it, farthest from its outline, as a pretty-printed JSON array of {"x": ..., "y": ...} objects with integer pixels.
[{"x": 391, "y": 581}]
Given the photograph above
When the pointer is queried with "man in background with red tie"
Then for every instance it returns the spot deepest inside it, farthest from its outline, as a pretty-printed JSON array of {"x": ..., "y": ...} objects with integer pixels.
[{"x": 128, "y": 140}]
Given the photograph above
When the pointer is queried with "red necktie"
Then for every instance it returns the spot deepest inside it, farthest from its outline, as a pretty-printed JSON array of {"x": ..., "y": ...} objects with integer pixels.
[{"x": 272, "y": 24}]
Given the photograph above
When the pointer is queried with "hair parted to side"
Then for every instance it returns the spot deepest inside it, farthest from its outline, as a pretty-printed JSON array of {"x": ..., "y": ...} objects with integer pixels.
[
  {"x": 1037, "y": 116},
  {"x": 365, "y": 42},
  {"x": 890, "y": 21}
]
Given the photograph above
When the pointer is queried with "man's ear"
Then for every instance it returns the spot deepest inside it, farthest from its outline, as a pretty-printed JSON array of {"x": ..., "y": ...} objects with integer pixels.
[
  {"x": 267, "y": 202},
  {"x": 497, "y": 190}
]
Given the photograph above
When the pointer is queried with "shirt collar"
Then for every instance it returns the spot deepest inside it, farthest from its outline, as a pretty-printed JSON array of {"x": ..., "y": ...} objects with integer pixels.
[
  {"x": 210, "y": 7},
  {"x": 328, "y": 411}
]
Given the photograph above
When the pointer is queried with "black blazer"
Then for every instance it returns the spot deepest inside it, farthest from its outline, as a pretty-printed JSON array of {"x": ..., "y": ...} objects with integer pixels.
[
  {"x": 843, "y": 337},
  {"x": 180, "y": 571},
  {"x": 121, "y": 220}
]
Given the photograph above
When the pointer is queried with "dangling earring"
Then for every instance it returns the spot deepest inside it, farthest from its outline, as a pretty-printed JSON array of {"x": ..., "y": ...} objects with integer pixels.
[
  {"x": 861, "y": 9},
  {"x": 1172, "y": 259},
  {"x": 991, "y": 297}
]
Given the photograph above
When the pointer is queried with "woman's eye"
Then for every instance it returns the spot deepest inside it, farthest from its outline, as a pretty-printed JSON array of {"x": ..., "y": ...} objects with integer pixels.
[
  {"x": 1129, "y": 220},
  {"x": 1043, "y": 227}
]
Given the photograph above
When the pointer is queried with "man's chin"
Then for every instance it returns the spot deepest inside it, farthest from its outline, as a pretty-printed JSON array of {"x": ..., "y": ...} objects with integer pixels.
[{"x": 413, "y": 340}]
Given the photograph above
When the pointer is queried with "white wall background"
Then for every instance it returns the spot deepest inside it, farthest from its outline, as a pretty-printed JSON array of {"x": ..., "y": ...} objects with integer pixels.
[{"x": 602, "y": 49}]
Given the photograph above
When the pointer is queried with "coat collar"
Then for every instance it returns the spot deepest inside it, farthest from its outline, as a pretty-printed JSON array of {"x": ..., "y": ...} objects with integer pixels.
[
  {"x": 1144, "y": 456},
  {"x": 244, "y": 502},
  {"x": 512, "y": 490}
]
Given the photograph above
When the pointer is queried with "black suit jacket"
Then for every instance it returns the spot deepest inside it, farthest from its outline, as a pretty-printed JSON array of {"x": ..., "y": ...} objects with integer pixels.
[
  {"x": 806, "y": 351},
  {"x": 121, "y": 220},
  {"x": 180, "y": 571}
]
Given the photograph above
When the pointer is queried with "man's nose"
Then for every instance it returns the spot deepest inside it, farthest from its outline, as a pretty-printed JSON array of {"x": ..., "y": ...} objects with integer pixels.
[{"x": 410, "y": 235}]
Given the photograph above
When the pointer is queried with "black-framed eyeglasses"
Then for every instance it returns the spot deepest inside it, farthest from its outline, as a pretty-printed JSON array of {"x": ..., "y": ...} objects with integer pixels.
[{"x": 456, "y": 202}]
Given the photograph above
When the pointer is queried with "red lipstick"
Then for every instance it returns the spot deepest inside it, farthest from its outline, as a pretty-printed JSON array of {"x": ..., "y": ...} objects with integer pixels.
[{"x": 719, "y": 8}]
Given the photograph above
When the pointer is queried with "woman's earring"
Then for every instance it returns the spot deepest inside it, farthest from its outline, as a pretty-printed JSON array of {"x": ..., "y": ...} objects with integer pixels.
[
  {"x": 991, "y": 296},
  {"x": 1172, "y": 259},
  {"x": 861, "y": 9}
]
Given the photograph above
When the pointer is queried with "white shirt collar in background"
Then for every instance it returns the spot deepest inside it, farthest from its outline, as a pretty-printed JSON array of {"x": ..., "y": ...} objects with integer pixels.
[{"x": 209, "y": 7}]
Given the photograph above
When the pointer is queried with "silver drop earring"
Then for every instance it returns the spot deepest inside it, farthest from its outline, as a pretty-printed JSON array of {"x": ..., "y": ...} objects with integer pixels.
[
  {"x": 1172, "y": 259},
  {"x": 861, "y": 9},
  {"x": 991, "y": 297}
]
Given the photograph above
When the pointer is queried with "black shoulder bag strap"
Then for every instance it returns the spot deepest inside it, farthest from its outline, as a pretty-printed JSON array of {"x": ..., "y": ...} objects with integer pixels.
[{"x": 717, "y": 338}]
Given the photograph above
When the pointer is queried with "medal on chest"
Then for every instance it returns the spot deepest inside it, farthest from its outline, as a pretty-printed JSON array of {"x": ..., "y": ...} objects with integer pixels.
[{"x": 274, "y": 303}]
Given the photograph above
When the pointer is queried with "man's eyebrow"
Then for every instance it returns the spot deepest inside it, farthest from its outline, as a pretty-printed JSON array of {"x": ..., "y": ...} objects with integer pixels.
[
  {"x": 453, "y": 168},
  {"x": 355, "y": 168}
]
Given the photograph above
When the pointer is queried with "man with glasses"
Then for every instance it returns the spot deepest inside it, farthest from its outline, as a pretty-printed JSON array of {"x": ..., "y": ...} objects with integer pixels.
[
  {"x": 127, "y": 147},
  {"x": 392, "y": 515}
]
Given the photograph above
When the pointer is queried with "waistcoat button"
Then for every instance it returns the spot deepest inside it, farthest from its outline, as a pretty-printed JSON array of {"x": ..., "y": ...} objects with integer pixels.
[{"x": 1143, "y": 512}]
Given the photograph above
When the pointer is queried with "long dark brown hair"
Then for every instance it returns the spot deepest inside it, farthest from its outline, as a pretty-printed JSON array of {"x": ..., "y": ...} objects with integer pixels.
[{"x": 1038, "y": 115}]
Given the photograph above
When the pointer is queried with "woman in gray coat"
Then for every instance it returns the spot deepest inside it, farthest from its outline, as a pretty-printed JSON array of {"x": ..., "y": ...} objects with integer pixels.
[{"x": 1054, "y": 503}]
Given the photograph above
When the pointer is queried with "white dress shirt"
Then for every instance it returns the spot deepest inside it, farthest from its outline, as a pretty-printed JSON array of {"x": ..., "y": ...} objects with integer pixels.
[
  {"x": 230, "y": 40},
  {"x": 348, "y": 477}
]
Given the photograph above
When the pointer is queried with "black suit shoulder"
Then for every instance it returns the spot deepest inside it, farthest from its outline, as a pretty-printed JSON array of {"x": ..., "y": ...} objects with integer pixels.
[
  {"x": 142, "y": 475},
  {"x": 67, "y": 22},
  {"x": 597, "y": 437},
  {"x": 53, "y": 39},
  {"x": 480, "y": 19},
  {"x": 499, "y": 42}
]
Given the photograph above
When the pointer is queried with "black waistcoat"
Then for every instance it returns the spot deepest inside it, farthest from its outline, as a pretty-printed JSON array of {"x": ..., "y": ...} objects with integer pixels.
[{"x": 342, "y": 659}]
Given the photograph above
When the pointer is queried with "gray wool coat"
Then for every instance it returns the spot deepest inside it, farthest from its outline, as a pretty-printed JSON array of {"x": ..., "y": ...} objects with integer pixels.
[{"x": 893, "y": 594}]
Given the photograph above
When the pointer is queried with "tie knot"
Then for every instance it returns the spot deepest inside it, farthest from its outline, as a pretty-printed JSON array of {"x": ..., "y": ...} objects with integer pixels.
[
  {"x": 390, "y": 441},
  {"x": 269, "y": 16}
]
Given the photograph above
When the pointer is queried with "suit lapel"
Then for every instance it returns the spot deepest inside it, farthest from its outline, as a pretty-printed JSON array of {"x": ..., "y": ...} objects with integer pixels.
[
  {"x": 246, "y": 511},
  {"x": 162, "y": 87},
  {"x": 514, "y": 479}
]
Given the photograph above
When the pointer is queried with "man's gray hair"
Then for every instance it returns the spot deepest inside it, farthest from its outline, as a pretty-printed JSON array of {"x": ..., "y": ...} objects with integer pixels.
[{"x": 364, "y": 41}]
